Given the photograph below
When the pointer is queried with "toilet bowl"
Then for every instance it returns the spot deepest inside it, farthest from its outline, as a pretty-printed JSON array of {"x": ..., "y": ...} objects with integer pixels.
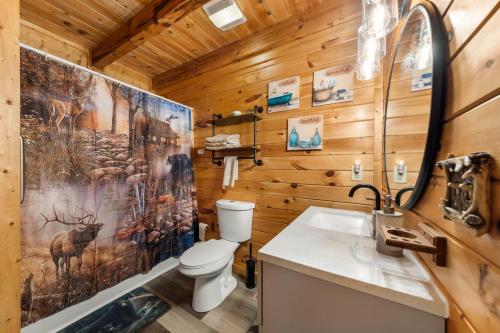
[{"x": 210, "y": 262}]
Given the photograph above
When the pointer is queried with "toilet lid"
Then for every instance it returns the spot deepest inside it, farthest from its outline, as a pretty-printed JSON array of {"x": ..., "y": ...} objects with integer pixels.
[{"x": 205, "y": 253}]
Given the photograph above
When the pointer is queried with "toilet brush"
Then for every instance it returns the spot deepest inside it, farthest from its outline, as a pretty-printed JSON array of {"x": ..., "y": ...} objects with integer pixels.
[{"x": 250, "y": 283}]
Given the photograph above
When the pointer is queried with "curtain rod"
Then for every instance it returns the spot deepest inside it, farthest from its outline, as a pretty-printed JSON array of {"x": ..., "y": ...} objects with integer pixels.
[{"x": 69, "y": 63}]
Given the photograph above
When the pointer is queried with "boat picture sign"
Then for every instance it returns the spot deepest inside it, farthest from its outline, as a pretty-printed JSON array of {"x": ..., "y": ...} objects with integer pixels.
[
  {"x": 333, "y": 85},
  {"x": 283, "y": 95}
]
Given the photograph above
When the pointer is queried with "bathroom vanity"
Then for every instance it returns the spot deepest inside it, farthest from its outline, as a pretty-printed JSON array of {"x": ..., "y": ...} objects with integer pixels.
[{"x": 323, "y": 274}]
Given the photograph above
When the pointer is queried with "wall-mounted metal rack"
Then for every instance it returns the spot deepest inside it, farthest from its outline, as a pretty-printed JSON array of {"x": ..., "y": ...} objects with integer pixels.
[{"x": 219, "y": 120}]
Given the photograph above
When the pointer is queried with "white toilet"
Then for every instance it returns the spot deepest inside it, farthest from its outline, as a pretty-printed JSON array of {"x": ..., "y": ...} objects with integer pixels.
[{"x": 210, "y": 262}]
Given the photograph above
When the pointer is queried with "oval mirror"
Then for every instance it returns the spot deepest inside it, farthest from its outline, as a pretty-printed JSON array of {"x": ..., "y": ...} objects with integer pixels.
[{"x": 414, "y": 100}]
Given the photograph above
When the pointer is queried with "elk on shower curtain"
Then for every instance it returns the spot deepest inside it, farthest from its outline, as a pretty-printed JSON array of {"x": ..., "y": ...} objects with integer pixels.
[{"x": 108, "y": 183}]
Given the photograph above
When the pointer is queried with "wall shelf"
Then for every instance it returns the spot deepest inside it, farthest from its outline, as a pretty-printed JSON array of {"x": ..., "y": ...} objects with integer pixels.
[
  {"x": 233, "y": 120},
  {"x": 219, "y": 120},
  {"x": 238, "y": 149}
]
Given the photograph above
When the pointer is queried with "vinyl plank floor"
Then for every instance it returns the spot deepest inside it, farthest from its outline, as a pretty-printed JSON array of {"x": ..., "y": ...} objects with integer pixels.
[{"x": 237, "y": 313}]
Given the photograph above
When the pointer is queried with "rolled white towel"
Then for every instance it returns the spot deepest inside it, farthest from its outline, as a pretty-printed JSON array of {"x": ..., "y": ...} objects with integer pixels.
[
  {"x": 217, "y": 138},
  {"x": 233, "y": 139},
  {"x": 229, "y": 138},
  {"x": 216, "y": 144}
]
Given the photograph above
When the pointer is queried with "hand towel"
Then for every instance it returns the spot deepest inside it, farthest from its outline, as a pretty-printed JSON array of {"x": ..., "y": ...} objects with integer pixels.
[{"x": 230, "y": 171}]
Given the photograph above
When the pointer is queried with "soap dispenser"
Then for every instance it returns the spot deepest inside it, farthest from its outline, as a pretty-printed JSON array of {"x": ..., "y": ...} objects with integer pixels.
[{"x": 387, "y": 216}]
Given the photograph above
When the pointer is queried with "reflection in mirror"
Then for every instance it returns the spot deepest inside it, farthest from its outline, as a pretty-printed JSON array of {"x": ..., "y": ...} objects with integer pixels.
[{"x": 409, "y": 104}]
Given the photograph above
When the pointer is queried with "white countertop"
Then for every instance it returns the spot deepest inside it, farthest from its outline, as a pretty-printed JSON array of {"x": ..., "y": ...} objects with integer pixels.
[{"x": 346, "y": 255}]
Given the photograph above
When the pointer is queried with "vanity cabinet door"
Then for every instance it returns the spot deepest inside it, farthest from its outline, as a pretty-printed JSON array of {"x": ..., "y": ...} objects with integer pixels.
[{"x": 293, "y": 302}]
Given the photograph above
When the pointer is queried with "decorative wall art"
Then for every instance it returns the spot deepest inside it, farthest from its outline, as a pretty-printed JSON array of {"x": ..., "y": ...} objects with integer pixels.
[
  {"x": 305, "y": 133},
  {"x": 467, "y": 193},
  {"x": 284, "y": 94},
  {"x": 421, "y": 79},
  {"x": 333, "y": 85},
  {"x": 108, "y": 177}
]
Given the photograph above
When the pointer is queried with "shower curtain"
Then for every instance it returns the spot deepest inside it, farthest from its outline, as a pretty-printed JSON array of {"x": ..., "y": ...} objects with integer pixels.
[{"x": 108, "y": 183}]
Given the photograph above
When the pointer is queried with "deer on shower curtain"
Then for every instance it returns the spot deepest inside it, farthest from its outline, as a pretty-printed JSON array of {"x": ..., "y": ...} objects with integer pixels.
[{"x": 108, "y": 183}]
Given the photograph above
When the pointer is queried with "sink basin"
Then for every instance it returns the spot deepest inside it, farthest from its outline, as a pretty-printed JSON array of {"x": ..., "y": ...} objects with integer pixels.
[{"x": 353, "y": 223}]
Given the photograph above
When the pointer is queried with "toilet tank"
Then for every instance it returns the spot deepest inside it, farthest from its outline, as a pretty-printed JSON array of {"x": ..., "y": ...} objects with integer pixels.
[{"x": 235, "y": 219}]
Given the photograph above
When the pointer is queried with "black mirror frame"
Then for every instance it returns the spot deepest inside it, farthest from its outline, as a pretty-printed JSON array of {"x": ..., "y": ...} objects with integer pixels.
[{"x": 440, "y": 56}]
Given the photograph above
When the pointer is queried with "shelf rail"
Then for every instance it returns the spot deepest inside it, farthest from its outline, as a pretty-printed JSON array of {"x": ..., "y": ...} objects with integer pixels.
[{"x": 218, "y": 118}]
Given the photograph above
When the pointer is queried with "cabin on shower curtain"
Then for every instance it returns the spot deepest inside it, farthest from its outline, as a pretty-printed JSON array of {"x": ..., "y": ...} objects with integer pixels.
[{"x": 108, "y": 183}]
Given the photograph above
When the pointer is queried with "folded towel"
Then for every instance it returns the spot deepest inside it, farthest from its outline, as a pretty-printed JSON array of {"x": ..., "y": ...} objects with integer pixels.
[
  {"x": 225, "y": 146},
  {"x": 230, "y": 171},
  {"x": 217, "y": 138},
  {"x": 229, "y": 138},
  {"x": 234, "y": 139},
  {"x": 216, "y": 144}
]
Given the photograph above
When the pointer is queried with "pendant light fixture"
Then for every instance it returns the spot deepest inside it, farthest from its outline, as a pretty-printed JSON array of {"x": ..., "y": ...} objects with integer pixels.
[
  {"x": 370, "y": 51},
  {"x": 369, "y": 46},
  {"x": 420, "y": 57},
  {"x": 367, "y": 69},
  {"x": 423, "y": 55},
  {"x": 380, "y": 17}
]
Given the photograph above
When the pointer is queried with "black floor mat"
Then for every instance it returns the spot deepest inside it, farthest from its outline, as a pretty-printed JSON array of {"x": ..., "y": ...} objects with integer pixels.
[{"x": 127, "y": 314}]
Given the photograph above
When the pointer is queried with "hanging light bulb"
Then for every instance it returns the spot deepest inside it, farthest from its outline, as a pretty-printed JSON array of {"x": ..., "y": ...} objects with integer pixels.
[
  {"x": 367, "y": 69},
  {"x": 369, "y": 46},
  {"x": 380, "y": 16},
  {"x": 423, "y": 55},
  {"x": 370, "y": 51}
]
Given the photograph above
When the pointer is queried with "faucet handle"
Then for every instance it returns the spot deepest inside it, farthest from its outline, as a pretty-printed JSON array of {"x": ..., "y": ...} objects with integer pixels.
[{"x": 388, "y": 208}]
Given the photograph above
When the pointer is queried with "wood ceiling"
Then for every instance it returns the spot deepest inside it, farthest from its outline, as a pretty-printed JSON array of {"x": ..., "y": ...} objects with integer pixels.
[{"x": 90, "y": 23}]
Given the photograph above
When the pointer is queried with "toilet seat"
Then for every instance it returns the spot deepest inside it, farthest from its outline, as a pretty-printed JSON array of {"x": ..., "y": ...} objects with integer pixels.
[{"x": 207, "y": 257}]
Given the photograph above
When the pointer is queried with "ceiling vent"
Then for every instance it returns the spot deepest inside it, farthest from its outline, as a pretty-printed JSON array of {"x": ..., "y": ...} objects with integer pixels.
[{"x": 224, "y": 14}]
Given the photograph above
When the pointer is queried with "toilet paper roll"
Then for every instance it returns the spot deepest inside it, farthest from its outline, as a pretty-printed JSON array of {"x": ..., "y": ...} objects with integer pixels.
[{"x": 202, "y": 228}]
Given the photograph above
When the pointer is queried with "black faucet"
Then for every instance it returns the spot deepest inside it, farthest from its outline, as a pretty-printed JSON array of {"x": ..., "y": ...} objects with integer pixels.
[
  {"x": 370, "y": 187},
  {"x": 400, "y": 194}
]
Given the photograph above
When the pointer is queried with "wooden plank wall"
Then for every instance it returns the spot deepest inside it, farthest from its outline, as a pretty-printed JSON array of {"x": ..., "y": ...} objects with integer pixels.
[
  {"x": 472, "y": 123},
  {"x": 10, "y": 227},
  {"x": 236, "y": 78},
  {"x": 59, "y": 46}
]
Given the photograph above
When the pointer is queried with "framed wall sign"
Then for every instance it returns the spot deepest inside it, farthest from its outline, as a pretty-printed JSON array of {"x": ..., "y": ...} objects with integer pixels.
[
  {"x": 333, "y": 85},
  {"x": 283, "y": 95},
  {"x": 305, "y": 133}
]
